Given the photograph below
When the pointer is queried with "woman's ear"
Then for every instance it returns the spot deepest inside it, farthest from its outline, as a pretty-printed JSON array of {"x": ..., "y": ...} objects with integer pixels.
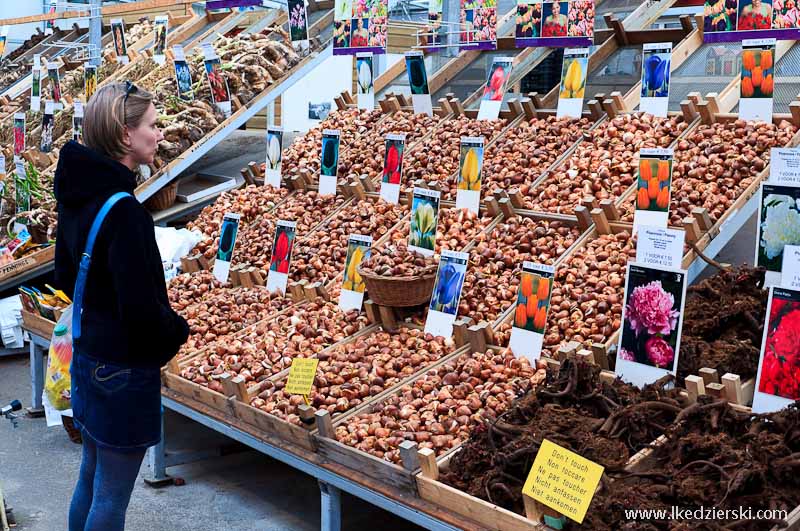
[{"x": 126, "y": 136}]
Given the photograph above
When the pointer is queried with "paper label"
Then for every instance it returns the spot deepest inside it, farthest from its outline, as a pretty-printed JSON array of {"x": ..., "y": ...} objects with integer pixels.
[
  {"x": 573, "y": 82},
  {"x": 19, "y": 133},
  {"x": 364, "y": 81},
  {"x": 281, "y": 257},
  {"x": 120, "y": 46},
  {"x": 274, "y": 158},
  {"x": 418, "y": 83},
  {"x": 656, "y": 65},
  {"x": 778, "y": 225},
  {"x": 359, "y": 248},
  {"x": 329, "y": 162},
  {"x": 790, "y": 274},
  {"x": 220, "y": 94},
  {"x": 468, "y": 187},
  {"x": 301, "y": 376},
  {"x": 495, "y": 88},
  {"x": 660, "y": 247},
  {"x": 757, "y": 79},
  {"x": 395, "y": 148},
  {"x": 89, "y": 80},
  {"x": 424, "y": 221},
  {"x": 530, "y": 310},
  {"x": 227, "y": 242},
  {"x": 443, "y": 308},
  {"x": 784, "y": 166},
  {"x": 563, "y": 480},
  {"x": 160, "y": 30},
  {"x": 183, "y": 76},
  {"x": 653, "y": 191}
]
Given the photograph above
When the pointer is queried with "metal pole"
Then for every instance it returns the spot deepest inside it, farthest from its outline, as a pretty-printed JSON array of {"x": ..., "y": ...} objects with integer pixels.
[
  {"x": 95, "y": 32},
  {"x": 331, "y": 502},
  {"x": 451, "y": 13}
]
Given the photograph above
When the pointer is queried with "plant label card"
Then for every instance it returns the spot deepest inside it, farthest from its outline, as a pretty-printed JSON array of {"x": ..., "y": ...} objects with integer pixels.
[
  {"x": 160, "y": 31},
  {"x": 653, "y": 188},
  {"x": 278, "y": 276},
  {"x": 183, "y": 76},
  {"x": 227, "y": 242},
  {"x": 77, "y": 121},
  {"x": 495, "y": 89},
  {"x": 652, "y": 317},
  {"x": 573, "y": 82},
  {"x": 272, "y": 171},
  {"x": 2, "y": 174},
  {"x": 790, "y": 275},
  {"x": 89, "y": 80},
  {"x": 220, "y": 94},
  {"x": 55, "y": 84},
  {"x": 778, "y": 379},
  {"x": 393, "y": 168},
  {"x": 359, "y": 249},
  {"x": 424, "y": 220},
  {"x": 443, "y": 308},
  {"x": 784, "y": 166},
  {"x": 656, "y": 64},
  {"x": 19, "y": 133},
  {"x": 298, "y": 24},
  {"x": 563, "y": 480},
  {"x": 3, "y": 40},
  {"x": 778, "y": 225},
  {"x": 301, "y": 376},
  {"x": 530, "y": 310},
  {"x": 660, "y": 246},
  {"x": 329, "y": 162},
  {"x": 46, "y": 143},
  {"x": 418, "y": 82},
  {"x": 22, "y": 194},
  {"x": 36, "y": 84},
  {"x": 120, "y": 46},
  {"x": 757, "y": 84},
  {"x": 470, "y": 170},
  {"x": 364, "y": 81}
]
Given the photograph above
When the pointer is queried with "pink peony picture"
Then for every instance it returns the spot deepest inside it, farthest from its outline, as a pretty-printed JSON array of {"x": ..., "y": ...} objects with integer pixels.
[{"x": 652, "y": 316}]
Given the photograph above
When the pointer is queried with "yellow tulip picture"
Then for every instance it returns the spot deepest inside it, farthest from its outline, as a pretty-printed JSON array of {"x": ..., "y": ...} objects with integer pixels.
[
  {"x": 469, "y": 177},
  {"x": 573, "y": 78},
  {"x": 357, "y": 252}
]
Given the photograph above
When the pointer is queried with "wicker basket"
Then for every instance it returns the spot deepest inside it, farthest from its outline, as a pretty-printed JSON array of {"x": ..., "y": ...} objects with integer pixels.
[
  {"x": 399, "y": 292},
  {"x": 163, "y": 199}
]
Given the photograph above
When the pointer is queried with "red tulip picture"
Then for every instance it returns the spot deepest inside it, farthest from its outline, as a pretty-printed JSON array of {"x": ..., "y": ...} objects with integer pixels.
[
  {"x": 496, "y": 84},
  {"x": 282, "y": 250},
  {"x": 393, "y": 161}
]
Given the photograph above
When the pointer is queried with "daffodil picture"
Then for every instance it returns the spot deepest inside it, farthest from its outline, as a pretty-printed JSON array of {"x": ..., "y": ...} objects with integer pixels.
[
  {"x": 470, "y": 174},
  {"x": 779, "y": 225},
  {"x": 424, "y": 219},
  {"x": 358, "y": 250}
]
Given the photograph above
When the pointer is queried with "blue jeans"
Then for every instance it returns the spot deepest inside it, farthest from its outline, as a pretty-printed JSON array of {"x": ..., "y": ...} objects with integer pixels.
[{"x": 104, "y": 487}]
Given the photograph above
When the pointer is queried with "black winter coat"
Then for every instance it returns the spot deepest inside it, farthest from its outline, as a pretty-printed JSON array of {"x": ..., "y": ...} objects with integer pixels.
[{"x": 126, "y": 318}]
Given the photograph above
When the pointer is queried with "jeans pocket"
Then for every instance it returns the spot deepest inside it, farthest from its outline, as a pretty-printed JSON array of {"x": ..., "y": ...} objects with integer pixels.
[{"x": 110, "y": 379}]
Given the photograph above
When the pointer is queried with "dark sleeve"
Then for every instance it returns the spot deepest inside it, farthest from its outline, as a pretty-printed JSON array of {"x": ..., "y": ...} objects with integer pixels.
[
  {"x": 65, "y": 271},
  {"x": 152, "y": 325}
]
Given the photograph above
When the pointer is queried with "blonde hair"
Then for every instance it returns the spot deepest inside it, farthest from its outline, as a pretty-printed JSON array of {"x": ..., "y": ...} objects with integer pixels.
[{"x": 107, "y": 114}]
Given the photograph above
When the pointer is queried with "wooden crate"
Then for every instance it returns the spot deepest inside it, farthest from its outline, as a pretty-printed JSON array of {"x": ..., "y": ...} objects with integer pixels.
[
  {"x": 36, "y": 324},
  {"x": 26, "y": 263},
  {"x": 196, "y": 392}
]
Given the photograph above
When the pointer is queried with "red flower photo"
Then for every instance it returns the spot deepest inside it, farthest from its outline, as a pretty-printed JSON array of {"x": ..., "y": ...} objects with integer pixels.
[
  {"x": 755, "y": 15},
  {"x": 282, "y": 249},
  {"x": 393, "y": 161},
  {"x": 780, "y": 368}
]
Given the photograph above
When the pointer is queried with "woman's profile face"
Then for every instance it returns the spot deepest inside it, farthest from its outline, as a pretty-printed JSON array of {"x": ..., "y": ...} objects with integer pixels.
[{"x": 143, "y": 140}]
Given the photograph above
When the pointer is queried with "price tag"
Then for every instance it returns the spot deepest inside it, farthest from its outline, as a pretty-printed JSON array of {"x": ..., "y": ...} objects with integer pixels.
[
  {"x": 784, "y": 167},
  {"x": 301, "y": 376},
  {"x": 563, "y": 480},
  {"x": 790, "y": 276},
  {"x": 659, "y": 246}
]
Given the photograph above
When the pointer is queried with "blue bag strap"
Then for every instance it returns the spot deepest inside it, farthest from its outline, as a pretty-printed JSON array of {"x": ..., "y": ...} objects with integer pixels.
[{"x": 86, "y": 261}]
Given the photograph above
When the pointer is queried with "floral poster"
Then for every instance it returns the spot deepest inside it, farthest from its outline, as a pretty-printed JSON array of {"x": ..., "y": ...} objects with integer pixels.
[
  {"x": 470, "y": 170},
  {"x": 495, "y": 88},
  {"x": 120, "y": 46},
  {"x": 443, "y": 308},
  {"x": 89, "y": 80},
  {"x": 556, "y": 24},
  {"x": 653, "y": 185},
  {"x": 652, "y": 315},
  {"x": 360, "y": 26},
  {"x": 392, "y": 173},
  {"x": 656, "y": 65},
  {"x": 220, "y": 94},
  {"x": 298, "y": 21},
  {"x": 778, "y": 226},
  {"x": 737, "y": 20},
  {"x": 530, "y": 310},
  {"x": 757, "y": 81},
  {"x": 278, "y": 275},
  {"x": 778, "y": 379},
  {"x": 574, "y": 69},
  {"x": 359, "y": 249},
  {"x": 424, "y": 220},
  {"x": 227, "y": 242},
  {"x": 274, "y": 158},
  {"x": 48, "y": 123},
  {"x": 329, "y": 162},
  {"x": 478, "y": 25},
  {"x": 19, "y": 134},
  {"x": 365, "y": 86},
  {"x": 55, "y": 83}
]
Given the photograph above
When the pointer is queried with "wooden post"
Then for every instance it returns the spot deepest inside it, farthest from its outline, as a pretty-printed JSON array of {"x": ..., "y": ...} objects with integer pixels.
[
  {"x": 692, "y": 229},
  {"x": 528, "y": 108},
  {"x": 255, "y": 168},
  {"x": 306, "y": 413},
  {"x": 371, "y": 310},
  {"x": 310, "y": 291},
  {"x": 173, "y": 367},
  {"x": 610, "y": 107},
  {"x": 600, "y": 221},
  {"x": 733, "y": 388},
  {"x": 619, "y": 101},
  {"x": 689, "y": 111},
  {"x": 445, "y": 105},
  {"x": 595, "y": 109},
  {"x": 427, "y": 461},
  {"x": 388, "y": 318},
  {"x": 589, "y": 202},
  {"x": 794, "y": 108},
  {"x": 408, "y": 455},
  {"x": 460, "y": 332},
  {"x": 584, "y": 217},
  {"x": 357, "y": 191},
  {"x": 695, "y": 387},
  {"x": 610, "y": 209},
  {"x": 492, "y": 206},
  {"x": 533, "y": 511},
  {"x": 600, "y": 355},
  {"x": 517, "y": 199},
  {"x": 515, "y": 106},
  {"x": 477, "y": 339},
  {"x": 703, "y": 219},
  {"x": 324, "y": 424},
  {"x": 716, "y": 390},
  {"x": 709, "y": 376},
  {"x": 607, "y": 377},
  {"x": 705, "y": 112},
  {"x": 236, "y": 387},
  {"x": 585, "y": 356},
  {"x": 367, "y": 183},
  {"x": 506, "y": 208}
]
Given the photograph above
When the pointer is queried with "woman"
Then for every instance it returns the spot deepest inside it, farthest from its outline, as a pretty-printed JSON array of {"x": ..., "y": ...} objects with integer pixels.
[
  {"x": 555, "y": 25},
  {"x": 128, "y": 330}
]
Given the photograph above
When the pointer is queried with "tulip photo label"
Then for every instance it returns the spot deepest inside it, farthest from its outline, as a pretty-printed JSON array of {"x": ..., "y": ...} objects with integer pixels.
[
  {"x": 470, "y": 170},
  {"x": 364, "y": 81},
  {"x": 3, "y": 40},
  {"x": 790, "y": 272},
  {"x": 228, "y": 232},
  {"x": 573, "y": 82},
  {"x": 298, "y": 23},
  {"x": 478, "y": 25},
  {"x": 282, "y": 245},
  {"x": 652, "y": 316},
  {"x": 120, "y": 46},
  {"x": 19, "y": 134},
  {"x": 424, "y": 220},
  {"x": 329, "y": 162},
  {"x": 531, "y": 309},
  {"x": 757, "y": 84},
  {"x": 418, "y": 83},
  {"x": 2, "y": 174},
  {"x": 495, "y": 89},
  {"x": 183, "y": 76},
  {"x": 36, "y": 83},
  {"x": 660, "y": 246},
  {"x": 778, "y": 226},
  {"x": 22, "y": 194},
  {"x": 656, "y": 64},
  {"x": 220, "y": 94},
  {"x": 77, "y": 121},
  {"x": 653, "y": 188},
  {"x": 55, "y": 85},
  {"x": 393, "y": 168},
  {"x": 784, "y": 166},
  {"x": 46, "y": 142},
  {"x": 274, "y": 159},
  {"x": 778, "y": 378},
  {"x": 90, "y": 80},
  {"x": 359, "y": 249},
  {"x": 443, "y": 308},
  {"x": 554, "y": 24},
  {"x": 160, "y": 30}
]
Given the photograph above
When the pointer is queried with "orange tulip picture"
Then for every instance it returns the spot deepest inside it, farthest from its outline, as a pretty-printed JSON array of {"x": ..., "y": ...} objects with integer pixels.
[
  {"x": 655, "y": 178},
  {"x": 533, "y": 302},
  {"x": 758, "y": 73}
]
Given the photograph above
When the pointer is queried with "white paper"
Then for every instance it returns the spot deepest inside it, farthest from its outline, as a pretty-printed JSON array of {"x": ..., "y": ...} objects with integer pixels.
[
  {"x": 208, "y": 51},
  {"x": 756, "y": 109},
  {"x": 422, "y": 104},
  {"x": 277, "y": 282},
  {"x": 78, "y": 108},
  {"x": 178, "y": 52},
  {"x": 649, "y": 218},
  {"x": 526, "y": 343},
  {"x": 327, "y": 185},
  {"x": 571, "y": 107},
  {"x": 652, "y": 105},
  {"x": 784, "y": 166},
  {"x": 49, "y": 107},
  {"x": 489, "y": 110},
  {"x": 773, "y": 278},
  {"x": 660, "y": 246},
  {"x": 790, "y": 271},
  {"x": 425, "y": 192},
  {"x": 221, "y": 270},
  {"x": 365, "y": 81},
  {"x": 439, "y": 323},
  {"x": 469, "y": 199},
  {"x": 350, "y": 300},
  {"x": 390, "y": 192}
]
